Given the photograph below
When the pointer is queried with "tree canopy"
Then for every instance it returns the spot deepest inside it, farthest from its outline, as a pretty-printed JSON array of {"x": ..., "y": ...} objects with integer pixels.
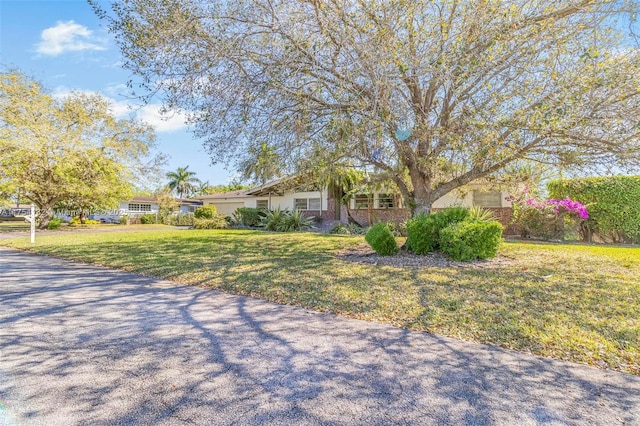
[
  {"x": 183, "y": 181},
  {"x": 436, "y": 93},
  {"x": 69, "y": 151}
]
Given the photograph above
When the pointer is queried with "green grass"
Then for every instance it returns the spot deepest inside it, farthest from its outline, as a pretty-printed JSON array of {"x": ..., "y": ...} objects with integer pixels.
[
  {"x": 14, "y": 226},
  {"x": 575, "y": 302}
]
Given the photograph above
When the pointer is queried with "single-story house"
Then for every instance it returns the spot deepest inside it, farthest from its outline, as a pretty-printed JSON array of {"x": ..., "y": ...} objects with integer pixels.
[
  {"x": 365, "y": 208},
  {"x": 135, "y": 207}
]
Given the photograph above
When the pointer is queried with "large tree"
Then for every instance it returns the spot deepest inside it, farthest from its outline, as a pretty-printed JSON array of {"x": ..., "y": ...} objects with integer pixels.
[
  {"x": 437, "y": 93},
  {"x": 69, "y": 151}
]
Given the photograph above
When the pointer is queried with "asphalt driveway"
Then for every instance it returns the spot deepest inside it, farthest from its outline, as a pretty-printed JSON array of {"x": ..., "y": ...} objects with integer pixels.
[{"x": 88, "y": 345}]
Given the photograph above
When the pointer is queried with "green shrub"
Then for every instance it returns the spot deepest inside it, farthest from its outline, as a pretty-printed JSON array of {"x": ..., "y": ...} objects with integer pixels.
[
  {"x": 216, "y": 222},
  {"x": 340, "y": 229},
  {"x": 422, "y": 234},
  {"x": 248, "y": 216},
  {"x": 296, "y": 221},
  {"x": 614, "y": 209},
  {"x": 148, "y": 219},
  {"x": 273, "y": 220},
  {"x": 180, "y": 219},
  {"x": 423, "y": 231},
  {"x": 124, "y": 219},
  {"x": 381, "y": 239},
  {"x": 469, "y": 240},
  {"x": 206, "y": 212},
  {"x": 54, "y": 223},
  {"x": 481, "y": 214},
  {"x": 348, "y": 229},
  {"x": 398, "y": 229}
]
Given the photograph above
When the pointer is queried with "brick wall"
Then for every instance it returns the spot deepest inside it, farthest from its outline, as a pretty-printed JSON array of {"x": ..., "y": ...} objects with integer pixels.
[{"x": 369, "y": 216}]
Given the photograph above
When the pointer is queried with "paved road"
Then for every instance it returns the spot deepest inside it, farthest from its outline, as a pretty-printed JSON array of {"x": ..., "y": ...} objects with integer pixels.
[{"x": 88, "y": 345}]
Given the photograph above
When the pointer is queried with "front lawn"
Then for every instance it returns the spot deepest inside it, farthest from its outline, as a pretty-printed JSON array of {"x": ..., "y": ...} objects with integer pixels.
[{"x": 575, "y": 302}]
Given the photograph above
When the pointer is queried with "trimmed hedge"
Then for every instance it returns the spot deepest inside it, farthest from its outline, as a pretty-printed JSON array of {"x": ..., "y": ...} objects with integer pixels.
[
  {"x": 217, "y": 222},
  {"x": 205, "y": 212},
  {"x": 248, "y": 216},
  {"x": 423, "y": 231},
  {"x": 148, "y": 219},
  {"x": 613, "y": 203},
  {"x": 469, "y": 240},
  {"x": 381, "y": 239}
]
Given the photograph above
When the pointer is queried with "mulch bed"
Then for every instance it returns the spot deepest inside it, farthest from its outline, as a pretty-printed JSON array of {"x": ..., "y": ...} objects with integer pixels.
[{"x": 364, "y": 254}]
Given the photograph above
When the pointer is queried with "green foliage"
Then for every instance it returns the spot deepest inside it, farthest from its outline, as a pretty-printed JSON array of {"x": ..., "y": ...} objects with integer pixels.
[
  {"x": 248, "y": 216},
  {"x": 469, "y": 240},
  {"x": 297, "y": 221},
  {"x": 613, "y": 202},
  {"x": 124, "y": 219},
  {"x": 422, "y": 234},
  {"x": 282, "y": 220},
  {"x": 273, "y": 220},
  {"x": 180, "y": 219},
  {"x": 348, "y": 229},
  {"x": 54, "y": 223},
  {"x": 381, "y": 239},
  {"x": 182, "y": 181},
  {"x": 216, "y": 222},
  {"x": 206, "y": 212},
  {"x": 86, "y": 157},
  {"x": 482, "y": 214},
  {"x": 148, "y": 219},
  {"x": 423, "y": 231},
  {"x": 542, "y": 223}
]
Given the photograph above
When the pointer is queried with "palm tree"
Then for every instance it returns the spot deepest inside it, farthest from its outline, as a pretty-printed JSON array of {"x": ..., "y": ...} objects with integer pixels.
[
  {"x": 203, "y": 188},
  {"x": 182, "y": 181}
]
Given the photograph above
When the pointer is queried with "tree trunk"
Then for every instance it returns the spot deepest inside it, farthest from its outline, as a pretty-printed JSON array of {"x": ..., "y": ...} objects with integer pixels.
[
  {"x": 421, "y": 202},
  {"x": 81, "y": 216},
  {"x": 45, "y": 216}
]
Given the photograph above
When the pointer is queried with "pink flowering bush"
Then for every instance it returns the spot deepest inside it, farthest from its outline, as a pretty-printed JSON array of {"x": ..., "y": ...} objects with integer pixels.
[{"x": 548, "y": 219}]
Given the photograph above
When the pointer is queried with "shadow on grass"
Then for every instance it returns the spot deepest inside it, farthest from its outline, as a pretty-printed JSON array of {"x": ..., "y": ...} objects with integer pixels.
[{"x": 91, "y": 345}]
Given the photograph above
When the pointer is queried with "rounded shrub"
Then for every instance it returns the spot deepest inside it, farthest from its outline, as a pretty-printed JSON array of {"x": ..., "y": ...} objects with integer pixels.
[
  {"x": 205, "y": 212},
  {"x": 469, "y": 240},
  {"x": 422, "y": 234},
  {"x": 423, "y": 230},
  {"x": 248, "y": 216},
  {"x": 54, "y": 223},
  {"x": 381, "y": 239}
]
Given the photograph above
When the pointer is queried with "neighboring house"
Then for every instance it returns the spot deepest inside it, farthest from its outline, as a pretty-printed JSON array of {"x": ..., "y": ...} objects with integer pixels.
[
  {"x": 138, "y": 206},
  {"x": 365, "y": 208}
]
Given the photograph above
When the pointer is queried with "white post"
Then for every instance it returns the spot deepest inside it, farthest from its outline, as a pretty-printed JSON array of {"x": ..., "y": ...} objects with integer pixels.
[{"x": 33, "y": 224}]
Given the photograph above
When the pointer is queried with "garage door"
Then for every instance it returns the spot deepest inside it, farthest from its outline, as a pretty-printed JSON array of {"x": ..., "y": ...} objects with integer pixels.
[{"x": 227, "y": 209}]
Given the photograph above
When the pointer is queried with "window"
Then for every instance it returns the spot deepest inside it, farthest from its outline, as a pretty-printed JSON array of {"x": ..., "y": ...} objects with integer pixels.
[
  {"x": 363, "y": 201},
  {"x": 314, "y": 204},
  {"x": 262, "y": 204},
  {"x": 385, "y": 201},
  {"x": 301, "y": 203},
  {"x": 487, "y": 198},
  {"x": 307, "y": 203},
  {"x": 135, "y": 207}
]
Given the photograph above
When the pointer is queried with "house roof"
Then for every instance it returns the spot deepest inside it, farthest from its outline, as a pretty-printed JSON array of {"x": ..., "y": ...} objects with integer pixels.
[
  {"x": 180, "y": 201},
  {"x": 224, "y": 195}
]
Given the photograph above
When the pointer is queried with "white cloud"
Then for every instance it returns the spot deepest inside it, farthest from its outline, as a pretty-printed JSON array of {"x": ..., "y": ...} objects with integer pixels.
[
  {"x": 150, "y": 113},
  {"x": 162, "y": 123},
  {"x": 67, "y": 37}
]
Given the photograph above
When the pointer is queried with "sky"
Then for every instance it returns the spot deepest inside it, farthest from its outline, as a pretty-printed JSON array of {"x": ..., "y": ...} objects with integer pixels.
[{"x": 65, "y": 46}]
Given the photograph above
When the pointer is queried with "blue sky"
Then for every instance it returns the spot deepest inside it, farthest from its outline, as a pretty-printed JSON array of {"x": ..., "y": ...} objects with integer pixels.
[{"x": 66, "y": 47}]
